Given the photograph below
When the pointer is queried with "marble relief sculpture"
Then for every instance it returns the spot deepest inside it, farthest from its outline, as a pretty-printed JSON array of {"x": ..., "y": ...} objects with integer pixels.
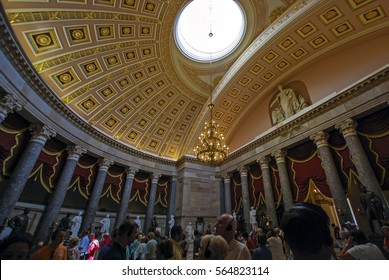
[{"x": 286, "y": 104}]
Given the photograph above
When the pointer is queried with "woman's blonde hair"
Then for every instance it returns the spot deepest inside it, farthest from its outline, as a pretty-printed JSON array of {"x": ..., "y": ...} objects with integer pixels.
[{"x": 216, "y": 245}]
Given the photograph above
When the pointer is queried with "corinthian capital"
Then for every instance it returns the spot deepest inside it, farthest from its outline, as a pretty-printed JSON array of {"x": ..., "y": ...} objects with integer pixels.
[
  {"x": 279, "y": 155},
  {"x": 320, "y": 139},
  {"x": 347, "y": 127}
]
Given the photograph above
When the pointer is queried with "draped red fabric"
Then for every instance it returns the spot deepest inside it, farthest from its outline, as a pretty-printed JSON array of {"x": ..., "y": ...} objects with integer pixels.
[
  {"x": 275, "y": 182},
  {"x": 84, "y": 175},
  {"x": 140, "y": 188},
  {"x": 49, "y": 164},
  {"x": 163, "y": 191},
  {"x": 306, "y": 172},
  {"x": 374, "y": 134},
  {"x": 114, "y": 182},
  {"x": 12, "y": 144},
  {"x": 14, "y": 137},
  {"x": 255, "y": 184},
  {"x": 236, "y": 192}
]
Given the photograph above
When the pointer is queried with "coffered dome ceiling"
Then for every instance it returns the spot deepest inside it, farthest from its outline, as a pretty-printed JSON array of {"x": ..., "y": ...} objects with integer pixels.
[{"x": 115, "y": 64}]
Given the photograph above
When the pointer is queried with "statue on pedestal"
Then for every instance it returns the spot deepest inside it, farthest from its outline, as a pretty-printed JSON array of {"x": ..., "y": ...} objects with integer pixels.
[
  {"x": 76, "y": 224},
  {"x": 106, "y": 222},
  {"x": 253, "y": 219}
]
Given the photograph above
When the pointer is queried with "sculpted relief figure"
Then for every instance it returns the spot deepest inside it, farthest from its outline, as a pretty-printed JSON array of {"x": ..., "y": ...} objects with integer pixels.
[{"x": 287, "y": 104}]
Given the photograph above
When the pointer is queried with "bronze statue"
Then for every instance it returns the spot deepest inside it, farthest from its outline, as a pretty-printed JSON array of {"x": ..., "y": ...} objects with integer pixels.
[
  {"x": 19, "y": 223},
  {"x": 372, "y": 207}
]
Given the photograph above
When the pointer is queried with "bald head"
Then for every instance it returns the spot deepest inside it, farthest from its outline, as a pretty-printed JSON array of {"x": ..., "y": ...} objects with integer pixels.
[{"x": 226, "y": 226}]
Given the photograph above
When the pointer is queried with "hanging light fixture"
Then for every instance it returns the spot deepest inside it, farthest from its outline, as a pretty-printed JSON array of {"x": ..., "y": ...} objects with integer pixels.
[{"x": 212, "y": 148}]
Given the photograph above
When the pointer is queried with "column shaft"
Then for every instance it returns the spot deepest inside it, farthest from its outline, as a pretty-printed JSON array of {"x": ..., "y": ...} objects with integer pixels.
[
  {"x": 269, "y": 197},
  {"x": 125, "y": 200},
  {"x": 22, "y": 170},
  {"x": 222, "y": 196},
  {"x": 360, "y": 159},
  {"x": 332, "y": 177},
  {"x": 151, "y": 204},
  {"x": 96, "y": 194},
  {"x": 245, "y": 197},
  {"x": 58, "y": 196},
  {"x": 286, "y": 189},
  {"x": 227, "y": 189}
]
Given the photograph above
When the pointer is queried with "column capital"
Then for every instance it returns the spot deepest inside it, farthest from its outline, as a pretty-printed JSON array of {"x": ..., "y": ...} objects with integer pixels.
[
  {"x": 264, "y": 162},
  {"x": 279, "y": 155},
  {"x": 75, "y": 151},
  {"x": 41, "y": 133},
  {"x": 131, "y": 171},
  {"x": 227, "y": 178},
  {"x": 243, "y": 171},
  {"x": 320, "y": 139},
  {"x": 9, "y": 103},
  {"x": 347, "y": 127},
  {"x": 156, "y": 176},
  {"x": 174, "y": 178},
  {"x": 105, "y": 163}
]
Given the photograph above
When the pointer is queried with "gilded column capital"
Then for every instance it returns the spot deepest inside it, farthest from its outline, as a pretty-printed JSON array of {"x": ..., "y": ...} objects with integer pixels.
[
  {"x": 131, "y": 171},
  {"x": 264, "y": 162},
  {"x": 105, "y": 163},
  {"x": 320, "y": 139},
  {"x": 41, "y": 133},
  {"x": 347, "y": 127},
  {"x": 279, "y": 155},
  {"x": 75, "y": 152},
  {"x": 10, "y": 104}
]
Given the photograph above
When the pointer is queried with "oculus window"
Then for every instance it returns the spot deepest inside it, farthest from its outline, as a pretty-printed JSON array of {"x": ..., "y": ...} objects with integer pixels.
[{"x": 224, "y": 19}]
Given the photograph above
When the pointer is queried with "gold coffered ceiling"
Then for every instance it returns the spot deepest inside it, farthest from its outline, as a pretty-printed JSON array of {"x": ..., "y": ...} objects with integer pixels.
[{"x": 114, "y": 63}]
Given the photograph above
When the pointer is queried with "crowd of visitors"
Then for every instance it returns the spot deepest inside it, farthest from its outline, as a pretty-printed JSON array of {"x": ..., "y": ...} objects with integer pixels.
[{"x": 304, "y": 234}]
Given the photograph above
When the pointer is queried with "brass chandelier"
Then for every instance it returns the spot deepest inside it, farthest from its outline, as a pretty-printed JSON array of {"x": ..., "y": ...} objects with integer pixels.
[{"x": 212, "y": 148}]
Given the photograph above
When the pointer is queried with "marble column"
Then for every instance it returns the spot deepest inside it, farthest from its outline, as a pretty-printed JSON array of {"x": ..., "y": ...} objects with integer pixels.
[
  {"x": 172, "y": 203},
  {"x": 125, "y": 200},
  {"x": 287, "y": 196},
  {"x": 8, "y": 104},
  {"x": 360, "y": 159},
  {"x": 151, "y": 204},
  {"x": 245, "y": 197},
  {"x": 269, "y": 196},
  {"x": 57, "y": 198},
  {"x": 222, "y": 196},
  {"x": 94, "y": 199},
  {"x": 227, "y": 189},
  {"x": 19, "y": 177},
  {"x": 332, "y": 176}
]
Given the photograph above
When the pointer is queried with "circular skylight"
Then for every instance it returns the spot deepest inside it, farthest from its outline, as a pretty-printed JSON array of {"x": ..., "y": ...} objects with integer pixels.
[{"x": 224, "y": 20}]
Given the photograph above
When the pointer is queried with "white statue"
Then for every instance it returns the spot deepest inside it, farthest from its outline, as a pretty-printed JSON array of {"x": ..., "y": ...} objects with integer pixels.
[
  {"x": 171, "y": 221},
  {"x": 76, "y": 224},
  {"x": 253, "y": 218},
  {"x": 189, "y": 231},
  {"x": 139, "y": 223},
  {"x": 288, "y": 104},
  {"x": 106, "y": 222},
  {"x": 234, "y": 215}
]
